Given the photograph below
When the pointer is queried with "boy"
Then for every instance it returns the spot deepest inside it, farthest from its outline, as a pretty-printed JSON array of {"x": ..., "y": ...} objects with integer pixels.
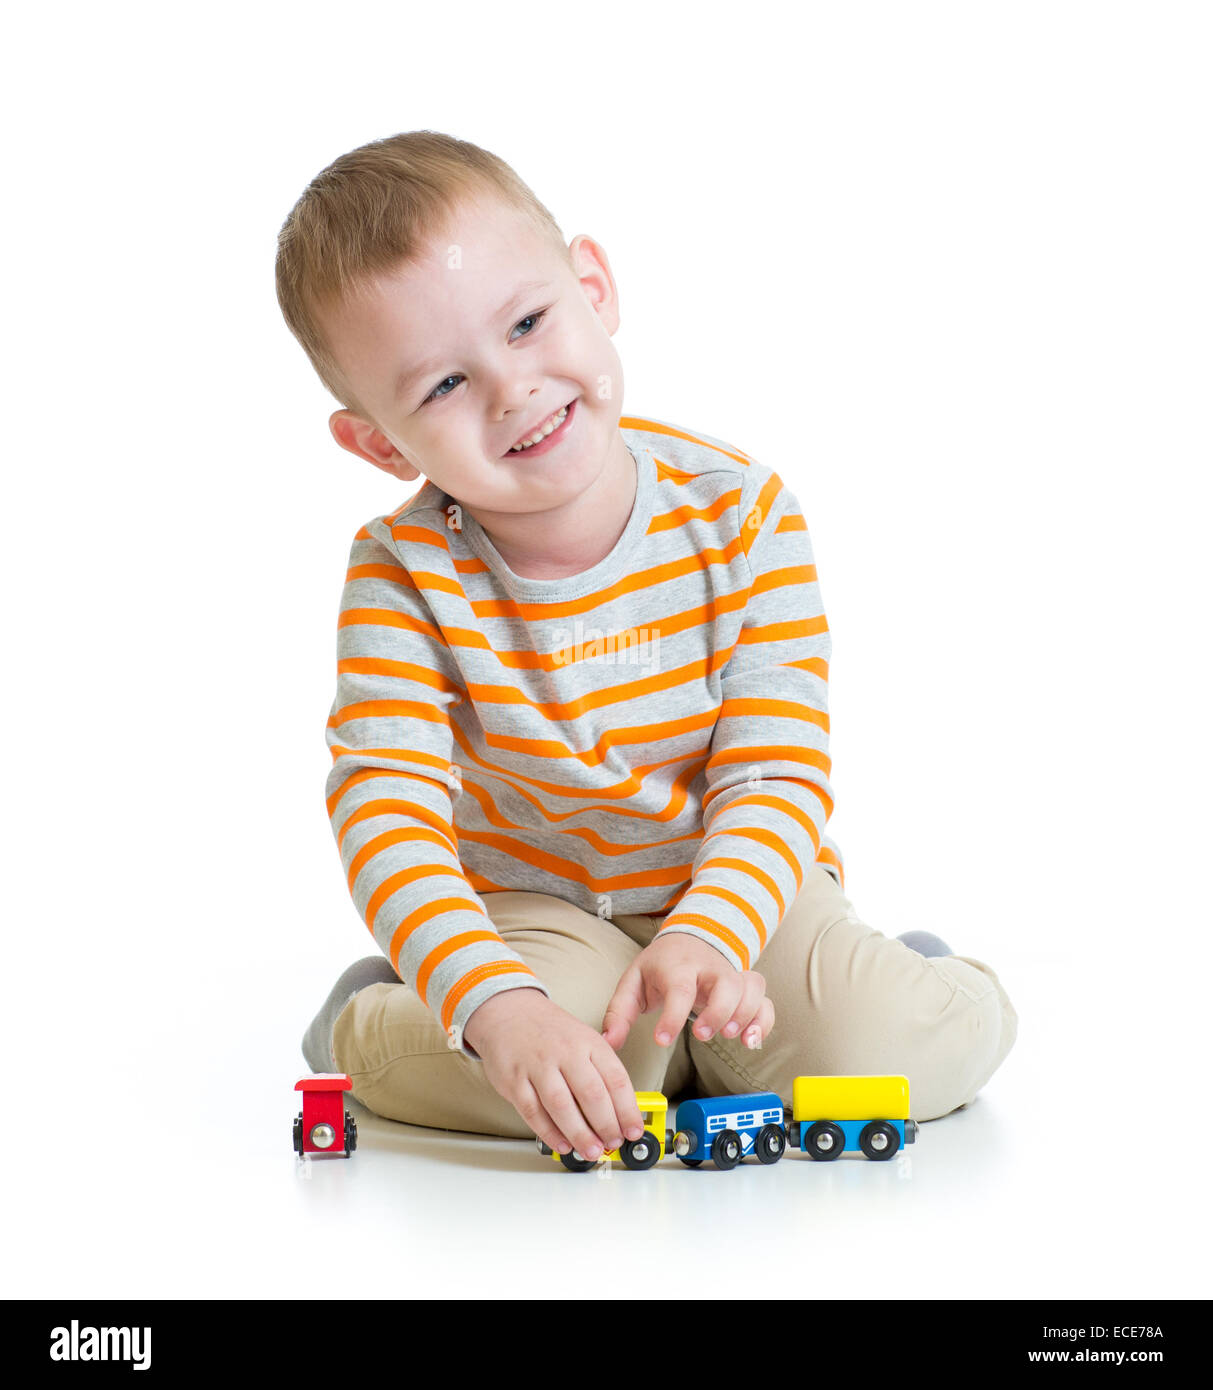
[{"x": 580, "y": 733}]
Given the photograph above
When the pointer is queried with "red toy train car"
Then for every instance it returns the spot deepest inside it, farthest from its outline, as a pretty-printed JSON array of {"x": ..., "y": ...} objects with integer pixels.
[{"x": 322, "y": 1128}]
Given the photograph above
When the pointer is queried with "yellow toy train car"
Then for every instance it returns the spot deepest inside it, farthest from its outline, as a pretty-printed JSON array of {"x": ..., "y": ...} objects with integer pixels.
[
  {"x": 640, "y": 1153},
  {"x": 831, "y": 1114}
]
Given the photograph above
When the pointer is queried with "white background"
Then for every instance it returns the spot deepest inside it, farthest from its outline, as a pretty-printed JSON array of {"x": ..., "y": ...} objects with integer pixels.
[{"x": 944, "y": 267}]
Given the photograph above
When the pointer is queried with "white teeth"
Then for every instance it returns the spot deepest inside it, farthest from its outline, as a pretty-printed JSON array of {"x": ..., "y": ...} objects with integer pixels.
[{"x": 548, "y": 426}]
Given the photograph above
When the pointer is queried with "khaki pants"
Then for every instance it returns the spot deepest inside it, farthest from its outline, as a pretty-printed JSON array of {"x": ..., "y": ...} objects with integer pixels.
[{"x": 848, "y": 1000}]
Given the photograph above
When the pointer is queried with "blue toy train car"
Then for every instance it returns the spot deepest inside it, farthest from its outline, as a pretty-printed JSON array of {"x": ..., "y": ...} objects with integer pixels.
[{"x": 727, "y": 1129}]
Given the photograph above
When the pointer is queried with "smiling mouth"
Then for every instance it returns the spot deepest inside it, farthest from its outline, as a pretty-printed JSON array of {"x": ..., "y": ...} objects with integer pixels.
[{"x": 552, "y": 426}]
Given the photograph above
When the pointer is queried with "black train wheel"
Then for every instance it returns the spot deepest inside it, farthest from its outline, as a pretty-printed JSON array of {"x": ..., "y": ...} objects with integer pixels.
[
  {"x": 577, "y": 1165},
  {"x": 825, "y": 1141},
  {"x": 297, "y": 1133},
  {"x": 726, "y": 1149},
  {"x": 351, "y": 1135},
  {"x": 770, "y": 1144},
  {"x": 641, "y": 1153},
  {"x": 879, "y": 1140}
]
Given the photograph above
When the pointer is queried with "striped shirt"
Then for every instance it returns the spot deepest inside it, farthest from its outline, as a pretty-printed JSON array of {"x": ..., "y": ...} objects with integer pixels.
[{"x": 649, "y": 736}]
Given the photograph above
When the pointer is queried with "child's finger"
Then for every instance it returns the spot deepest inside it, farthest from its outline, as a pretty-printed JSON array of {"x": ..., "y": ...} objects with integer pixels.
[
  {"x": 762, "y": 1025},
  {"x": 675, "y": 1010},
  {"x": 595, "y": 1101},
  {"x": 533, "y": 1111},
  {"x": 722, "y": 1003},
  {"x": 624, "y": 1009},
  {"x": 623, "y": 1096},
  {"x": 752, "y": 990},
  {"x": 558, "y": 1100}
]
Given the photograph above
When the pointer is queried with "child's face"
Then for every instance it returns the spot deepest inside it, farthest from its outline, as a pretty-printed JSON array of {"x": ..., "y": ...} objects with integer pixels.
[{"x": 475, "y": 346}]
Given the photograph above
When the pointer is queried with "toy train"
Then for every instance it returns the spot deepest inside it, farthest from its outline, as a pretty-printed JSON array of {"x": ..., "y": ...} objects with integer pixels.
[
  {"x": 831, "y": 1115},
  {"x": 322, "y": 1128}
]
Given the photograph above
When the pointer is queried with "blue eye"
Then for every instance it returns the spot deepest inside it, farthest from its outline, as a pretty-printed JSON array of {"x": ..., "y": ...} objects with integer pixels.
[
  {"x": 537, "y": 316},
  {"x": 438, "y": 393}
]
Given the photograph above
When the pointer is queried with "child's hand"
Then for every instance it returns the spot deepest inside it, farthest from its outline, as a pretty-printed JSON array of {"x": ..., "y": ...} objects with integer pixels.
[
  {"x": 683, "y": 974},
  {"x": 561, "y": 1076}
]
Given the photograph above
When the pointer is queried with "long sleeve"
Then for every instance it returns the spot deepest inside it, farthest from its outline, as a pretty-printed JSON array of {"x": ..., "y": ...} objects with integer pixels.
[
  {"x": 389, "y": 792},
  {"x": 768, "y": 795}
]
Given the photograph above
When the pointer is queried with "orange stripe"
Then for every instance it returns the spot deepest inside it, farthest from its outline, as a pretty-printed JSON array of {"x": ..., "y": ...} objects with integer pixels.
[
  {"x": 440, "y": 830},
  {"x": 460, "y": 639},
  {"x": 679, "y": 516},
  {"x": 403, "y": 670},
  {"x": 642, "y": 581},
  {"x": 694, "y": 919},
  {"x": 428, "y": 759},
  {"x": 734, "y": 899},
  {"x": 743, "y": 866},
  {"x": 596, "y": 802},
  {"x": 448, "y": 948},
  {"x": 475, "y": 977},
  {"x": 767, "y": 752},
  {"x": 693, "y": 672},
  {"x": 398, "y": 835},
  {"x": 572, "y": 873},
  {"x": 778, "y": 709},
  {"x": 827, "y": 855},
  {"x": 364, "y": 774},
  {"x": 419, "y": 535},
  {"x": 387, "y": 709},
  {"x": 637, "y": 422},
  {"x": 408, "y": 925},
  {"x": 782, "y": 632},
  {"x": 816, "y": 664},
  {"x": 632, "y": 778},
  {"x": 784, "y": 578},
  {"x": 414, "y": 755},
  {"x": 766, "y": 797},
  {"x": 397, "y": 574},
  {"x": 762, "y": 508},
  {"x": 387, "y": 617},
  {"x": 772, "y": 842}
]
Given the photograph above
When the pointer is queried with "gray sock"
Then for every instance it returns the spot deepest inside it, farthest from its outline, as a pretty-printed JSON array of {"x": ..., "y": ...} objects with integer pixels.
[
  {"x": 925, "y": 943},
  {"x": 318, "y": 1040}
]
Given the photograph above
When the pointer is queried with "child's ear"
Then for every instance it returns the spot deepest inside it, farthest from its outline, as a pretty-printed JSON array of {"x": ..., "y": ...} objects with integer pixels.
[
  {"x": 360, "y": 437},
  {"x": 593, "y": 271}
]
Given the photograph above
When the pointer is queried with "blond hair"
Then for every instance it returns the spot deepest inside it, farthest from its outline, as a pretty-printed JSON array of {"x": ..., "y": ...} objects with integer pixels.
[{"x": 372, "y": 210}]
